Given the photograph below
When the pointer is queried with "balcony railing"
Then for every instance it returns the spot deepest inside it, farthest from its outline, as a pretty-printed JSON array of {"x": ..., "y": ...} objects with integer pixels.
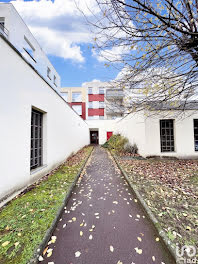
[
  {"x": 113, "y": 94},
  {"x": 4, "y": 31},
  {"x": 114, "y": 110}
]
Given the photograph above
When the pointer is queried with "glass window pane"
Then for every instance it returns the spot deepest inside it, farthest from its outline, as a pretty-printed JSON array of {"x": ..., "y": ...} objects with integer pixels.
[{"x": 76, "y": 97}]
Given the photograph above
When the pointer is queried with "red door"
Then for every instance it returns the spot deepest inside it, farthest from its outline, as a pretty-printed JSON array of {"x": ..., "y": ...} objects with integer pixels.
[{"x": 109, "y": 134}]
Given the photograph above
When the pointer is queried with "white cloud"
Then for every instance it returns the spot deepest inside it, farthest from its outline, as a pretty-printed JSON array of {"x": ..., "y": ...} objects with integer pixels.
[
  {"x": 113, "y": 55},
  {"x": 57, "y": 44},
  {"x": 94, "y": 80},
  {"x": 58, "y": 26}
]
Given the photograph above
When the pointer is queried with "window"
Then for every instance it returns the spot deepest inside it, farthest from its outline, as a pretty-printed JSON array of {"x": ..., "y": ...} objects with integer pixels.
[
  {"x": 78, "y": 109},
  {"x": 101, "y": 90},
  {"x": 29, "y": 48},
  {"x": 55, "y": 80},
  {"x": 196, "y": 134},
  {"x": 90, "y": 91},
  {"x": 36, "y": 158},
  {"x": 76, "y": 97},
  {"x": 90, "y": 104},
  {"x": 91, "y": 117},
  {"x": 65, "y": 96},
  {"x": 48, "y": 73},
  {"x": 167, "y": 135},
  {"x": 2, "y": 24},
  {"x": 101, "y": 117},
  {"x": 101, "y": 104}
]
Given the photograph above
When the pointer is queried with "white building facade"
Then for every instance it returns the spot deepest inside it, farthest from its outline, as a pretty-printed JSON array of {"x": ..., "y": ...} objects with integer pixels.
[
  {"x": 164, "y": 133},
  {"x": 39, "y": 129},
  {"x": 16, "y": 31}
]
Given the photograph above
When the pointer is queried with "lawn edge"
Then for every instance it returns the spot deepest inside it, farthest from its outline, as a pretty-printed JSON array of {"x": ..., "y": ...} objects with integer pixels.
[
  {"x": 38, "y": 251},
  {"x": 152, "y": 218}
]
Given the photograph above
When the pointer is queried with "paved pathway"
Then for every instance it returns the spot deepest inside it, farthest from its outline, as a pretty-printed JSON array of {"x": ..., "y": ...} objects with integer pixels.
[{"x": 103, "y": 223}]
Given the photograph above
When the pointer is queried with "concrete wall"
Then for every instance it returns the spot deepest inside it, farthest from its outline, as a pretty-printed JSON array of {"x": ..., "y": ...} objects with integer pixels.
[
  {"x": 17, "y": 30},
  {"x": 21, "y": 88}
]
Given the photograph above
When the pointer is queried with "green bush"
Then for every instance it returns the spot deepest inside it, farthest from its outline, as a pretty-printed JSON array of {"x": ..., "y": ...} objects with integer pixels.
[{"x": 116, "y": 142}]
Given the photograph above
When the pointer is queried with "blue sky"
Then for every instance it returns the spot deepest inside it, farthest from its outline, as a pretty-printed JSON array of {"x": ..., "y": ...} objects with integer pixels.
[{"x": 61, "y": 31}]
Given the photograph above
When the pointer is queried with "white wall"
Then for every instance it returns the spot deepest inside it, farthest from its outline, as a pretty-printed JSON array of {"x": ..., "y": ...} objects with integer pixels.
[
  {"x": 133, "y": 127},
  {"x": 183, "y": 134},
  {"x": 17, "y": 30},
  {"x": 103, "y": 126},
  {"x": 145, "y": 132},
  {"x": 64, "y": 131}
]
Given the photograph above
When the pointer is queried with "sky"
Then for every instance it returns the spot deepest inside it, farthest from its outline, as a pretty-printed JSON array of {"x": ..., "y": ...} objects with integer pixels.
[{"x": 62, "y": 32}]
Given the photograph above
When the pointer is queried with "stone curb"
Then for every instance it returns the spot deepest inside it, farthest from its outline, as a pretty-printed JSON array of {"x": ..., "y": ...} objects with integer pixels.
[
  {"x": 50, "y": 231},
  {"x": 149, "y": 213}
]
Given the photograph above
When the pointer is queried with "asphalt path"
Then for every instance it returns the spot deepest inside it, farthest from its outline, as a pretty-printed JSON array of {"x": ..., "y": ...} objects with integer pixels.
[{"x": 103, "y": 223}]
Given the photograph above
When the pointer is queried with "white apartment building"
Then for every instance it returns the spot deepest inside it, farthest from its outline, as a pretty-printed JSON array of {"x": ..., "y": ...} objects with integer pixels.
[
  {"x": 13, "y": 28},
  {"x": 101, "y": 100}
]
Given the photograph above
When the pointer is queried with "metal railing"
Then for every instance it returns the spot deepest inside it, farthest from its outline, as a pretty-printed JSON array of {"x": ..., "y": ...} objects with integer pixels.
[
  {"x": 4, "y": 31},
  {"x": 114, "y": 94}
]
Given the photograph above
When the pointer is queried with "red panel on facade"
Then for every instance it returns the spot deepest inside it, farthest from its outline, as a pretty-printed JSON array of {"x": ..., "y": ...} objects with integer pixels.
[
  {"x": 109, "y": 134},
  {"x": 96, "y": 97},
  {"x": 83, "y": 108},
  {"x": 95, "y": 112}
]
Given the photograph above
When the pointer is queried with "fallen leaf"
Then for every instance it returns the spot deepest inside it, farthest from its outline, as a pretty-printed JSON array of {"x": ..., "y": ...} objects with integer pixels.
[
  {"x": 138, "y": 250},
  {"x": 81, "y": 233},
  {"x": 49, "y": 254},
  {"x": 139, "y": 238},
  {"x": 157, "y": 239},
  {"x": 111, "y": 248},
  {"x": 44, "y": 251},
  {"x": 77, "y": 254},
  {"x": 153, "y": 258},
  {"x": 5, "y": 243},
  {"x": 41, "y": 258}
]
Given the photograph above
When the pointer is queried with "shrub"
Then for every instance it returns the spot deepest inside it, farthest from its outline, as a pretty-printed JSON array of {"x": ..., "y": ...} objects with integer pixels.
[
  {"x": 133, "y": 149},
  {"x": 116, "y": 142}
]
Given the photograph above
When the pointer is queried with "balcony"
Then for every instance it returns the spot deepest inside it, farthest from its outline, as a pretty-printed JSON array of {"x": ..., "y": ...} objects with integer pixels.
[
  {"x": 111, "y": 110},
  {"x": 114, "y": 94}
]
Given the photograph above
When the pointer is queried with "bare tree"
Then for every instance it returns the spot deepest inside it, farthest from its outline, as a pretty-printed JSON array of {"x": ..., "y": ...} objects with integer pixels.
[{"x": 155, "y": 42}]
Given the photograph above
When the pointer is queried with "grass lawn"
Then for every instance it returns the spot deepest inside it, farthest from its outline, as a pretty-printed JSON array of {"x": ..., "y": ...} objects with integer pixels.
[
  {"x": 170, "y": 189},
  {"x": 24, "y": 221}
]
